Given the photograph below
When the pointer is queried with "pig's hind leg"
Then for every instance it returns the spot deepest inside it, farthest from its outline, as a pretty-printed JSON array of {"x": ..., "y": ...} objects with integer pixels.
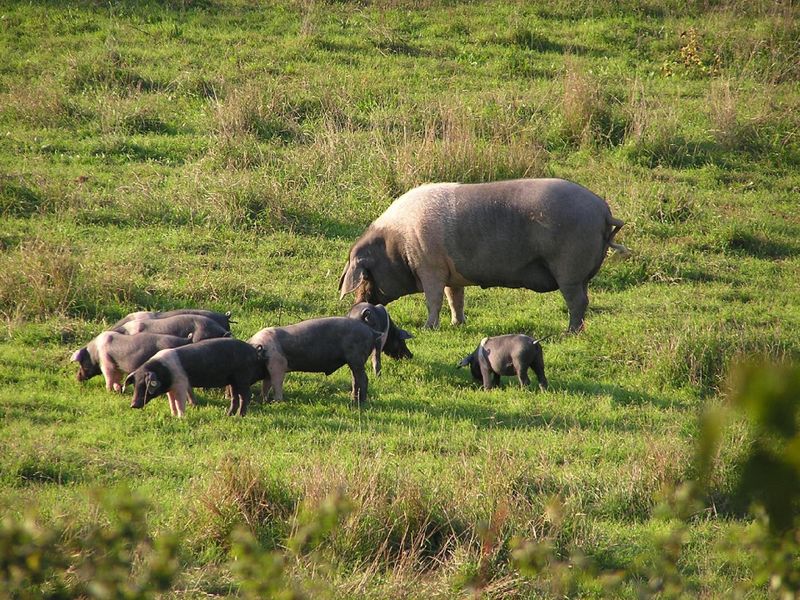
[
  {"x": 360, "y": 383},
  {"x": 538, "y": 367},
  {"x": 433, "y": 288},
  {"x": 276, "y": 371},
  {"x": 521, "y": 369},
  {"x": 455, "y": 298},
  {"x": 240, "y": 399}
]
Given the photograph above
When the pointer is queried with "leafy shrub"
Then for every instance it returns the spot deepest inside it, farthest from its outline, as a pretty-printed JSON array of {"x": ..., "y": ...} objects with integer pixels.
[{"x": 109, "y": 558}]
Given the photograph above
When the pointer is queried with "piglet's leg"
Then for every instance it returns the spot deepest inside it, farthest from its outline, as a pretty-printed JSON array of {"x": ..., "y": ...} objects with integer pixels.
[
  {"x": 116, "y": 382},
  {"x": 241, "y": 398},
  {"x": 181, "y": 391},
  {"x": 234, "y": 407},
  {"x": 538, "y": 368},
  {"x": 359, "y": 384},
  {"x": 376, "y": 361},
  {"x": 266, "y": 386},
  {"x": 277, "y": 371},
  {"x": 277, "y": 385},
  {"x": 487, "y": 374},
  {"x": 173, "y": 404},
  {"x": 110, "y": 373},
  {"x": 522, "y": 376},
  {"x": 192, "y": 399}
]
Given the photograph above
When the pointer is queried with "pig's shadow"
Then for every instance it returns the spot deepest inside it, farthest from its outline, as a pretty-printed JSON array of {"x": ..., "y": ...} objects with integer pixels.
[
  {"x": 461, "y": 379},
  {"x": 485, "y": 410}
]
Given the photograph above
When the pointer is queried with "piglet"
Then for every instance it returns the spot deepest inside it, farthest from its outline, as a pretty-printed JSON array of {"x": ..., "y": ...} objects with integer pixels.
[
  {"x": 113, "y": 354},
  {"x": 200, "y": 327},
  {"x": 223, "y": 319},
  {"x": 393, "y": 339},
  {"x": 510, "y": 354},
  {"x": 317, "y": 346},
  {"x": 214, "y": 363}
]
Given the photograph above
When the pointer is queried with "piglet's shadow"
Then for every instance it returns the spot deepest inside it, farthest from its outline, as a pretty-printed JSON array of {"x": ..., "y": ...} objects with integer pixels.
[
  {"x": 491, "y": 416},
  {"x": 619, "y": 395}
]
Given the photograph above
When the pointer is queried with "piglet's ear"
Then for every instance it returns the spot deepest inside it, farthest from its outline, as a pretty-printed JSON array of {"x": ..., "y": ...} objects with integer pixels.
[
  {"x": 368, "y": 317},
  {"x": 351, "y": 278},
  {"x": 465, "y": 361},
  {"x": 77, "y": 355},
  {"x": 404, "y": 335}
]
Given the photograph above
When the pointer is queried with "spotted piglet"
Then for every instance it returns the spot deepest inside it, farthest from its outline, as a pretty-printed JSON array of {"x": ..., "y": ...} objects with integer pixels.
[
  {"x": 114, "y": 354},
  {"x": 510, "y": 354}
]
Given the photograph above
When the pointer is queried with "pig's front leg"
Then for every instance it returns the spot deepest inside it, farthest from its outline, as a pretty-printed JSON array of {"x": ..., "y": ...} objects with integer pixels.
[
  {"x": 112, "y": 375},
  {"x": 173, "y": 403}
]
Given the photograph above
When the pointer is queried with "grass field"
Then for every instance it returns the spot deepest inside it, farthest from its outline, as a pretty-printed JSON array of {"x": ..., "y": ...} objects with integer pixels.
[{"x": 225, "y": 154}]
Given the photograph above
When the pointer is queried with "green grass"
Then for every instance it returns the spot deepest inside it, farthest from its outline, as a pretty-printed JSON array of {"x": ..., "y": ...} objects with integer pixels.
[{"x": 225, "y": 154}]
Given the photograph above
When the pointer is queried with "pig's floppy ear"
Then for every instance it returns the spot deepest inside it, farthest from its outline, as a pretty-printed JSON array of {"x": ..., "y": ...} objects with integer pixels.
[
  {"x": 128, "y": 380},
  {"x": 403, "y": 334},
  {"x": 465, "y": 361},
  {"x": 352, "y": 276},
  {"x": 77, "y": 355}
]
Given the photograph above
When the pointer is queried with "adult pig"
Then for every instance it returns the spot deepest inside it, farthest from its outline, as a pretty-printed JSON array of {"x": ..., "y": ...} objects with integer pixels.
[
  {"x": 213, "y": 363},
  {"x": 510, "y": 354},
  {"x": 393, "y": 339},
  {"x": 317, "y": 346},
  {"x": 199, "y": 327},
  {"x": 539, "y": 234},
  {"x": 114, "y": 354},
  {"x": 223, "y": 319}
]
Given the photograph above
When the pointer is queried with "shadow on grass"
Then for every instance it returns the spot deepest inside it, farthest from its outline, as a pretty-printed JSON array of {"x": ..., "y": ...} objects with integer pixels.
[
  {"x": 487, "y": 412},
  {"x": 619, "y": 395},
  {"x": 311, "y": 223}
]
